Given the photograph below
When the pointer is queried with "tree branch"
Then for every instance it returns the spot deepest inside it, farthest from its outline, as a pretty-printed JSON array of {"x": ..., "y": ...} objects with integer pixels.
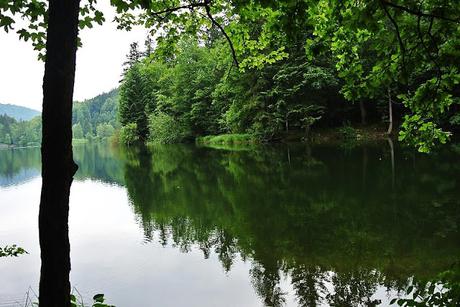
[
  {"x": 206, "y": 5},
  {"x": 398, "y": 34},
  {"x": 214, "y": 22},
  {"x": 190, "y": 6},
  {"x": 418, "y": 13}
]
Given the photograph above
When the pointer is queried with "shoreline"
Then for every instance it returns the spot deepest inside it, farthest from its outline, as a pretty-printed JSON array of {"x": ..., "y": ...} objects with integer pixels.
[{"x": 345, "y": 134}]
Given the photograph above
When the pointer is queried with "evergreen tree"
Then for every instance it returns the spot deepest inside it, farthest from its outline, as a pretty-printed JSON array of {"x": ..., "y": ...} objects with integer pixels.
[
  {"x": 132, "y": 58},
  {"x": 148, "y": 44},
  {"x": 77, "y": 131},
  {"x": 132, "y": 103}
]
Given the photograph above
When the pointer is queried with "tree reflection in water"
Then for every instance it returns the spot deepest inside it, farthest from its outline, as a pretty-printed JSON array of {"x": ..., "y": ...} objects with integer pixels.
[
  {"x": 340, "y": 224},
  {"x": 338, "y": 227}
]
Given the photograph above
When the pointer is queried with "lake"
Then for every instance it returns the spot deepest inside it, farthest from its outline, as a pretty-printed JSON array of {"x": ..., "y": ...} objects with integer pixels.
[{"x": 292, "y": 225}]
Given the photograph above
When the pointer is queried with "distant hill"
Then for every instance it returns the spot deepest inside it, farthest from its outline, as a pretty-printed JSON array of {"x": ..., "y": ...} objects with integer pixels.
[{"x": 18, "y": 112}]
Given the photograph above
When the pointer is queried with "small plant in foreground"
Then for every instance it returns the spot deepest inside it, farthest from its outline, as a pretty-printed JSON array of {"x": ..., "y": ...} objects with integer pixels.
[{"x": 12, "y": 251}]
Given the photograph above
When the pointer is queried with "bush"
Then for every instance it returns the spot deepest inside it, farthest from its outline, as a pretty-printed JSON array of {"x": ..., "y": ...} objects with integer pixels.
[
  {"x": 165, "y": 129},
  {"x": 128, "y": 134},
  {"x": 348, "y": 132},
  {"x": 104, "y": 131}
]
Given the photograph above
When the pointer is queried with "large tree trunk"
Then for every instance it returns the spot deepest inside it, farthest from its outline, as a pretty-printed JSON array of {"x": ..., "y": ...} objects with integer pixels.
[{"x": 58, "y": 166}]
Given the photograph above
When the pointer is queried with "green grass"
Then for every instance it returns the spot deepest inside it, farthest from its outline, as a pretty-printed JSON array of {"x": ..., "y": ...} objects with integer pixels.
[{"x": 227, "y": 139}]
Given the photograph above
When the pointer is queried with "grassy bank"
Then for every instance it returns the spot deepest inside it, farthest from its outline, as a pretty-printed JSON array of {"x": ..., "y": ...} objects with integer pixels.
[
  {"x": 226, "y": 139},
  {"x": 339, "y": 135}
]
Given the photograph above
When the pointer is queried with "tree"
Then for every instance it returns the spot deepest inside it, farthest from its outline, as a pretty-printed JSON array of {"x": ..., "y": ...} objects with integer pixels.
[
  {"x": 104, "y": 131},
  {"x": 415, "y": 63},
  {"x": 77, "y": 131},
  {"x": 132, "y": 58},
  {"x": 58, "y": 166},
  {"x": 132, "y": 104},
  {"x": 61, "y": 19}
]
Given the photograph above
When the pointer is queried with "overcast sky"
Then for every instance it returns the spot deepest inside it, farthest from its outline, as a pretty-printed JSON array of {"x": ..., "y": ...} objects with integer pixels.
[{"x": 99, "y": 63}]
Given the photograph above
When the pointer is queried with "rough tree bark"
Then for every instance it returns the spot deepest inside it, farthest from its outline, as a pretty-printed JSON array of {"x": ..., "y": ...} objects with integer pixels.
[{"x": 58, "y": 166}]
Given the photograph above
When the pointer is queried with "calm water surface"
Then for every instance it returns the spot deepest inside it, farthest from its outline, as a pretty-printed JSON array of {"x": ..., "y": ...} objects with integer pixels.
[{"x": 274, "y": 225}]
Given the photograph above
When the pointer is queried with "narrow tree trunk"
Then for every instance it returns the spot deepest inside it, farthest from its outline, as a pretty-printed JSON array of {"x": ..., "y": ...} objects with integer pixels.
[
  {"x": 289, "y": 156},
  {"x": 362, "y": 109},
  {"x": 58, "y": 166},
  {"x": 390, "y": 113},
  {"x": 392, "y": 155},
  {"x": 307, "y": 132}
]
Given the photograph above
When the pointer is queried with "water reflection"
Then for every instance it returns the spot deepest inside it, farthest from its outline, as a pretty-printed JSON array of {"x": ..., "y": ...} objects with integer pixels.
[
  {"x": 316, "y": 212},
  {"x": 19, "y": 165},
  {"x": 344, "y": 227}
]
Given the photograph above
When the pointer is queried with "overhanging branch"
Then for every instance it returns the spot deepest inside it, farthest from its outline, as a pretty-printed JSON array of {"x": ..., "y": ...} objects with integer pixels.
[
  {"x": 214, "y": 22},
  {"x": 419, "y": 13},
  {"x": 206, "y": 5}
]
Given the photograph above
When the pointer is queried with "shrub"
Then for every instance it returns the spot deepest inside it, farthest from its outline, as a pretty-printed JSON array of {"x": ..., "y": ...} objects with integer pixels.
[
  {"x": 104, "y": 131},
  {"x": 165, "y": 129},
  {"x": 128, "y": 134},
  {"x": 348, "y": 132}
]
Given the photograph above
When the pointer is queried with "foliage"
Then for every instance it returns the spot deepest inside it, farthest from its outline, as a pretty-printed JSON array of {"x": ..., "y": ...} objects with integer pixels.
[
  {"x": 417, "y": 61},
  {"x": 104, "y": 131},
  {"x": 77, "y": 131},
  {"x": 77, "y": 301},
  {"x": 165, "y": 129},
  {"x": 422, "y": 134},
  {"x": 35, "y": 15},
  {"x": 291, "y": 95},
  {"x": 129, "y": 134},
  {"x": 20, "y": 133},
  {"x": 248, "y": 55},
  {"x": 442, "y": 291},
  {"x": 93, "y": 118},
  {"x": 348, "y": 132},
  {"x": 132, "y": 105},
  {"x": 97, "y": 116},
  {"x": 12, "y": 251},
  {"x": 98, "y": 301}
]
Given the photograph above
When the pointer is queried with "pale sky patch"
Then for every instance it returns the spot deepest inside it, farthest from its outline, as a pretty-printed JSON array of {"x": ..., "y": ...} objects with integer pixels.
[{"x": 99, "y": 63}]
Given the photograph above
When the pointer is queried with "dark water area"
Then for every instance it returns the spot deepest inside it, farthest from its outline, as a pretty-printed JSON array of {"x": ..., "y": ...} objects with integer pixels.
[{"x": 275, "y": 225}]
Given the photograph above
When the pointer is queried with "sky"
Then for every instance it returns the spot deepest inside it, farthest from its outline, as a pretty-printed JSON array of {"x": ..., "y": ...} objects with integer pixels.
[{"x": 99, "y": 63}]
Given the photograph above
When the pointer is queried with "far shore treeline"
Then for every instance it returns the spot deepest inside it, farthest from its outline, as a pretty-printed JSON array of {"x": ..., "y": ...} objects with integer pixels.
[{"x": 93, "y": 119}]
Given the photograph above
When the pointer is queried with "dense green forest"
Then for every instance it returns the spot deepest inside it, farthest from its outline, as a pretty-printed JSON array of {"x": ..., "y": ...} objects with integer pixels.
[
  {"x": 20, "y": 133},
  {"x": 329, "y": 65},
  {"x": 95, "y": 118}
]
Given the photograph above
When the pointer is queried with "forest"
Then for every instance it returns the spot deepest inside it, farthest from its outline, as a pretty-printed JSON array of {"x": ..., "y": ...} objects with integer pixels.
[
  {"x": 93, "y": 119},
  {"x": 331, "y": 66},
  {"x": 385, "y": 69}
]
